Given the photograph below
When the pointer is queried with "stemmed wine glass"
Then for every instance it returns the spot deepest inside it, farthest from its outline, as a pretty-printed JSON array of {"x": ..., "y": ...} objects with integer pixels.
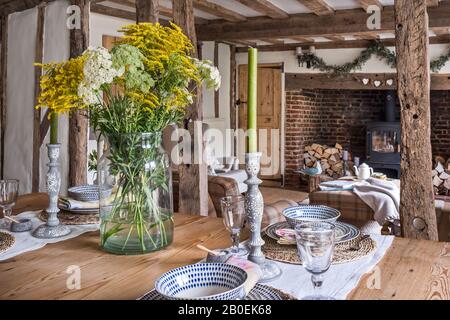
[
  {"x": 233, "y": 214},
  {"x": 9, "y": 190},
  {"x": 315, "y": 244}
]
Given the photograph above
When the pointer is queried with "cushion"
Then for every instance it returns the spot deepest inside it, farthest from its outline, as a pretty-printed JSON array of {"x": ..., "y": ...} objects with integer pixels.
[{"x": 239, "y": 176}]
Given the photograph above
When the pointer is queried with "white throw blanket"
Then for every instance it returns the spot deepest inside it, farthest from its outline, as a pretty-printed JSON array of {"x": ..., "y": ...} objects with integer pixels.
[{"x": 382, "y": 196}]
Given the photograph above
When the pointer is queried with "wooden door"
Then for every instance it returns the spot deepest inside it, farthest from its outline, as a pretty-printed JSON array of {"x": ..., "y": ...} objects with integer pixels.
[{"x": 269, "y": 116}]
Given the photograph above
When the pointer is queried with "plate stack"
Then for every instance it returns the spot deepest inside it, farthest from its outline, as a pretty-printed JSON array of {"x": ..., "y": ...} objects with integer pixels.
[
  {"x": 281, "y": 243},
  {"x": 283, "y": 231},
  {"x": 82, "y": 200}
]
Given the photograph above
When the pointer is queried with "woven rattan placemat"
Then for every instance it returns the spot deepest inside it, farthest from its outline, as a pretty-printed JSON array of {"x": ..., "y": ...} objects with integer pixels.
[
  {"x": 342, "y": 254},
  {"x": 6, "y": 241},
  {"x": 70, "y": 218},
  {"x": 260, "y": 292}
]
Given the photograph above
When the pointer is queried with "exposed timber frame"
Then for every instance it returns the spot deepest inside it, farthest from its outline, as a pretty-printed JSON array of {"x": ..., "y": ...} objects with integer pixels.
[
  {"x": 3, "y": 73},
  {"x": 193, "y": 180},
  {"x": 147, "y": 11},
  {"x": 38, "y": 58},
  {"x": 417, "y": 209},
  {"x": 78, "y": 121}
]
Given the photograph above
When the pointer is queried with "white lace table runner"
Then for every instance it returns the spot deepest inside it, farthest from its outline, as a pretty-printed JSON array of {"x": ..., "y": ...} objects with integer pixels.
[
  {"x": 26, "y": 242},
  {"x": 339, "y": 280}
]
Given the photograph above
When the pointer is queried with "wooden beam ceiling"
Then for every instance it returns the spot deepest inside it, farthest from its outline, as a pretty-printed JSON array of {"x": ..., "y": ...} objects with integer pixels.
[
  {"x": 218, "y": 10},
  {"x": 113, "y": 12},
  {"x": 164, "y": 11},
  {"x": 10, "y": 6},
  {"x": 272, "y": 41},
  {"x": 366, "y": 3},
  {"x": 343, "y": 44},
  {"x": 343, "y": 22},
  {"x": 432, "y": 3},
  {"x": 266, "y": 8},
  {"x": 319, "y": 7}
]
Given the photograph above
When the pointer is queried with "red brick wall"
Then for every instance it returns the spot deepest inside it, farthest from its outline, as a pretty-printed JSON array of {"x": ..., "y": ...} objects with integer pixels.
[
  {"x": 440, "y": 123},
  {"x": 330, "y": 116}
]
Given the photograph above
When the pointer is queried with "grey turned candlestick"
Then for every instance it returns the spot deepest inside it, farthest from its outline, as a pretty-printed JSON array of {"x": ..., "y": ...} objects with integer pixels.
[
  {"x": 254, "y": 207},
  {"x": 52, "y": 229}
]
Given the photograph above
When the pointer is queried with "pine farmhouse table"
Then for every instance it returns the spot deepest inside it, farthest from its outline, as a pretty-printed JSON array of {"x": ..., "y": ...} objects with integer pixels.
[{"x": 411, "y": 269}]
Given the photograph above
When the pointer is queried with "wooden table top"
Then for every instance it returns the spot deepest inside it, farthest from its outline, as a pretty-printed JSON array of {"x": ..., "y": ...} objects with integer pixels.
[{"x": 411, "y": 269}]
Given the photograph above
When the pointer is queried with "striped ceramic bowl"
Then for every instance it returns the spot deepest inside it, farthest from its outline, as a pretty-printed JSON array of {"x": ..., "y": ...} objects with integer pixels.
[
  {"x": 203, "y": 281},
  {"x": 299, "y": 214}
]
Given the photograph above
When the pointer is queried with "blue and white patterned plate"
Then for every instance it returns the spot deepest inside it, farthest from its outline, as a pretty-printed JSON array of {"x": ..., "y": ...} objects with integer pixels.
[
  {"x": 304, "y": 213},
  {"x": 259, "y": 292},
  {"x": 344, "y": 231},
  {"x": 203, "y": 281}
]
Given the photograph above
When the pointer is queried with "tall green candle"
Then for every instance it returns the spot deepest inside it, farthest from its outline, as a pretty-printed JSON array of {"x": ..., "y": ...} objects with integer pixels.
[
  {"x": 252, "y": 99},
  {"x": 54, "y": 128}
]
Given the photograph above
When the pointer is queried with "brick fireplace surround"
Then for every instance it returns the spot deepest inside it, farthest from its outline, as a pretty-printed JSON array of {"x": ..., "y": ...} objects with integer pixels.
[{"x": 330, "y": 116}]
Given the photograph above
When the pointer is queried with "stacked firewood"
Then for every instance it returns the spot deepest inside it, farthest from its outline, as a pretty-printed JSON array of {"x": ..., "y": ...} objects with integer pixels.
[
  {"x": 441, "y": 176},
  {"x": 330, "y": 159}
]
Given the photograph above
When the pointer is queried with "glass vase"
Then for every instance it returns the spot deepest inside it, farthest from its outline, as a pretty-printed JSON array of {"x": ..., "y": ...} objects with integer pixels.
[{"x": 136, "y": 208}]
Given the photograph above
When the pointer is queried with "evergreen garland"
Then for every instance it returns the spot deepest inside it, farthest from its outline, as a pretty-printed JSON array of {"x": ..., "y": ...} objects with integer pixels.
[{"x": 375, "y": 48}]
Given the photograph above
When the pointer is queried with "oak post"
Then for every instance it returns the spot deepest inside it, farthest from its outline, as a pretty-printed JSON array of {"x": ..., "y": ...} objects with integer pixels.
[
  {"x": 233, "y": 93},
  {"x": 3, "y": 68},
  {"x": 417, "y": 210},
  {"x": 147, "y": 11},
  {"x": 193, "y": 177},
  {"x": 39, "y": 54},
  {"x": 78, "y": 121}
]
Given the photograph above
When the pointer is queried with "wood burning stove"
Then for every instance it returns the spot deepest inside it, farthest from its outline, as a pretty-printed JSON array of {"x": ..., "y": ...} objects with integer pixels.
[{"x": 383, "y": 141}]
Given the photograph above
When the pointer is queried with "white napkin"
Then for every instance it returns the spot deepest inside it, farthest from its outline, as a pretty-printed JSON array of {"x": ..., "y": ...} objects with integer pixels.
[
  {"x": 253, "y": 271},
  {"x": 69, "y": 203}
]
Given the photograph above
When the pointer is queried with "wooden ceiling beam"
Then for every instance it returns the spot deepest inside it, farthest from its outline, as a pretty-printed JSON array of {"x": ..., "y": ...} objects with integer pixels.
[
  {"x": 432, "y": 3},
  {"x": 335, "y": 38},
  {"x": 343, "y": 22},
  {"x": 301, "y": 39},
  {"x": 272, "y": 40},
  {"x": 344, "y": 44},
  {"x": 120, "y": 13},
  {"x": 265, "y": 7},
  {"x": 319, "y": 7},
  {"x": 10, "y": 6},
  {"x": 365, "y": 4},
  {"x": 218, "y": 10},
  {"x": 244, "y": 43},
  {"x": 441, "y": 31},
  {"x": 113, "y": 12}
]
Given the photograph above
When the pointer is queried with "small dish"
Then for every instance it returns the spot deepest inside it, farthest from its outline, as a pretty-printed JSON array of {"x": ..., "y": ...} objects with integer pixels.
[
  {"x": 23, "y": 225},
  {"x": 203, "y": 281}
]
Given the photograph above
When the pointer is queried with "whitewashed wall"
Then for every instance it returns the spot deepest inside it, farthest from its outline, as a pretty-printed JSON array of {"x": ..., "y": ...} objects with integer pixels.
[{"x": 20, "y": 92}]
